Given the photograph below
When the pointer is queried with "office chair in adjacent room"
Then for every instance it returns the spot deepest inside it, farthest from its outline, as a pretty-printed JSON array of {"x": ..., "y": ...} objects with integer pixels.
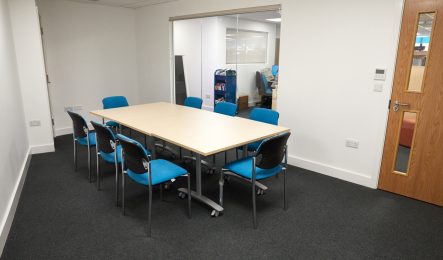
[
  {"x": 260, "y": 86},
  {"x": 267, "y": 96},
  {"x": 81, "y": 134},
  {"x": 194, "y": 102},
  {"x": 274, "y": 70},
  {"x": 137, "y": 164},
  {"x": 115, "y": 102},
  {"x": 265, "y": 163}
]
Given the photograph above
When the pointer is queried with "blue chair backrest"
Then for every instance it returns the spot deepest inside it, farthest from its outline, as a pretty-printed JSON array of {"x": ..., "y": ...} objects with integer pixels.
[
  {"x": 265, "y": 116},
  {"x": 274, "y": 69},
  {"x": 80, "y": 126},
  {"x": 194, "y": 102},
  {"x": 225, "y": 108},
  {"x": 104, "y": 136},
  {"x": 114, "y": 102},
  {"x": 265, "y": 81}
]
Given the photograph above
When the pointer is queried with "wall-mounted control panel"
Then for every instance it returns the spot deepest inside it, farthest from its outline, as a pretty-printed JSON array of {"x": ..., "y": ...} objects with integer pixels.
[{"x": 380, "y": 74}]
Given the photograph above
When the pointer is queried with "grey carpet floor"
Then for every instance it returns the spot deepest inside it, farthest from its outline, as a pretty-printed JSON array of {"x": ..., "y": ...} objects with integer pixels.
[{"x": 62, "y": 216}]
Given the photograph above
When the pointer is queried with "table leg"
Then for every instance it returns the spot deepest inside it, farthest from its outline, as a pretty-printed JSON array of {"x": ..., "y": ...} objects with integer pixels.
[
  {"x": 245, "y": 150},
  {"x": 153, "y": 148},
  {"x": 198, "y": 193}
]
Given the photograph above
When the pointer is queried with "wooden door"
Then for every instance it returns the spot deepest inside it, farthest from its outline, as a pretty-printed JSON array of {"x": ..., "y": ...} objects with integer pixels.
[{"x": 412, "y": 162}]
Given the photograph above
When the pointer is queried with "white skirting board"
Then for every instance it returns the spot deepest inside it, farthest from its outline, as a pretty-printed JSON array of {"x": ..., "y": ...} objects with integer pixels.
[
  {"x": 332, "y": 172},
  {"x": 67, "y": 130},
  {"x": 6, "y": 226},
  {"x": 208, "y": 108},
  {"x": 46, "y": 148}
]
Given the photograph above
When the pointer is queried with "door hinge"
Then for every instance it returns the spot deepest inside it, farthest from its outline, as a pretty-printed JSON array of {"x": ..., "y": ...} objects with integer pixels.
[
  {"x": 389, "y": 106},
  {"x": 47, "y": 79},
  {"x": 41, "y": 30},
  {"x": 52, "y": 121}
]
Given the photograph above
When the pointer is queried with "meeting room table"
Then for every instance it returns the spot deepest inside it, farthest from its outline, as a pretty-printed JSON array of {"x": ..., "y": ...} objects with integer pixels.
[{"x": 202, "y": 132}]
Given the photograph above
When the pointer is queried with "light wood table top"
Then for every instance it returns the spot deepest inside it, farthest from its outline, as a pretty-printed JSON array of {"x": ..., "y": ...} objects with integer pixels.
[{"x": 200, "y": 131}]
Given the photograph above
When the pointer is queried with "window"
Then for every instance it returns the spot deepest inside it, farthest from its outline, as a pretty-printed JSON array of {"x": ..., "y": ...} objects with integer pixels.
[{"x": 246, "y": 47}]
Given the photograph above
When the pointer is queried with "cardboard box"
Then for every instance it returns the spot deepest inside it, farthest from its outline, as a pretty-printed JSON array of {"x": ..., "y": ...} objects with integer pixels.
[{"x": 243, "y": 104}]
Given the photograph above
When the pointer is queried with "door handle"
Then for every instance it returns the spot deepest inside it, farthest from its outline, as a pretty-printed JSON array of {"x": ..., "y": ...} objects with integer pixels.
[{"x": 396, "y": 104}]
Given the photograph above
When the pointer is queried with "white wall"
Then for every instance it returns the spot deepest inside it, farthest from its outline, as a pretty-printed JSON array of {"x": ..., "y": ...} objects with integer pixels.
[
  {"x": 326, "y": 76},
  {"x": 203, "y": 43},
  {"x": 91, "y": 54},
  {"x": 15, "y": 145},
  {"x": 28, "y": 45}
]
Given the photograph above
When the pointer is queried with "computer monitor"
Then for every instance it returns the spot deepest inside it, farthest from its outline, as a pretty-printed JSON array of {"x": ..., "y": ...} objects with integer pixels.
[{"x": 274, "y": 70}]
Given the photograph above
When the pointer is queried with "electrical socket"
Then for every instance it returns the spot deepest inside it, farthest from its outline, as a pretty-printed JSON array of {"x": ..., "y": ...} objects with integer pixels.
[
  {"x": 352, "y": 143},
  {"x": 34, "y": 123},
  {"x": 69, "y": 109},
  {"x": 78, "y": 107},
  {"x": 208, "y": 95},
  {"x": 378, "y": 87}
]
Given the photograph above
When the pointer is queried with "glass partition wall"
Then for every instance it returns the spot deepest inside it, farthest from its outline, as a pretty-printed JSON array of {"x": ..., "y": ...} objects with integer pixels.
[{"x": 227, "y": 59}]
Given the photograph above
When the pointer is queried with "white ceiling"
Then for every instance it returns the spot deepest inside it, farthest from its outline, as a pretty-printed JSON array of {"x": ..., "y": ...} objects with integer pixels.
[{"x": 125, "y": 3}]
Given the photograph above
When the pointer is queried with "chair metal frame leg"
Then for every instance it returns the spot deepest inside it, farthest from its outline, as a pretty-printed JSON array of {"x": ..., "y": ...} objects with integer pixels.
[
  {"x": 75, "y": 148},
  {"x": 123, "y": 185},
  {"x": 189, "y": 197},
  {"x": 150, "y": 200},
  {"x": 254, "y": 208},
  {"x": 89, "y": 159},
  {"x": 116, "y": 174},
  {"x": 98, "y": 162}
]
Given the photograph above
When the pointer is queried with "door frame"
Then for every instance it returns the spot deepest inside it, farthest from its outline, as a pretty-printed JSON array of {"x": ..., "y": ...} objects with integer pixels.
[{"x": 391, "y": 87}]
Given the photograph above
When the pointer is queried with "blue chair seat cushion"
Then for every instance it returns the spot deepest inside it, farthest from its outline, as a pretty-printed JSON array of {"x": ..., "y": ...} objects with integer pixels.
[
  {"x": 110, "y": 157},
  {"x": 252, "y": 146},
  {"x": 84, "y": 141},
  {"x": 112, "y": 123},
  {"x": 162, "y": 171},
  {"x": 243, "y": 167}
]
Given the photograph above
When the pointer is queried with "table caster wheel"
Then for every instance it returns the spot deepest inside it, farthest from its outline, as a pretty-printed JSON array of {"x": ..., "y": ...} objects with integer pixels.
[
  {"x": 182, "y": 195},
  {"x": 173, "y": 156},
  {"x": 187, "y": 160},
  {"x": 215, "y": 213},
  {"x": 166, "y": 186},
  {"x": 260, "y": 192},
  {"x": 227, "y": 177},
  {"x": 210, "y": 171}
]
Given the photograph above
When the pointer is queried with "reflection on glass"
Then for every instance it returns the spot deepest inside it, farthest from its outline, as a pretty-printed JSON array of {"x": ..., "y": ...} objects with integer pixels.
[
  {"x": 421, "y": 48},
  {"x": 251, "y": 46},
  {"x": 405, "y": 142}
]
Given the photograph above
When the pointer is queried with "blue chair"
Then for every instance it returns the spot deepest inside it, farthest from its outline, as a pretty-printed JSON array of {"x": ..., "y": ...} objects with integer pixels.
[
  {"x": 266, "y": 162},
  {"x": 108, "y": 149},
  {"x": 81, "y": 134},
  {"x": 274, "y": 70},
  {"x": 137, "y": 164},
  {"x": 261, "y": 115},
  {"x": 194, "y": 102},
  {"x": 225, "y": 108},
  {"x": 115, "y": 102},
  {"x": 268, "y": 90}
]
